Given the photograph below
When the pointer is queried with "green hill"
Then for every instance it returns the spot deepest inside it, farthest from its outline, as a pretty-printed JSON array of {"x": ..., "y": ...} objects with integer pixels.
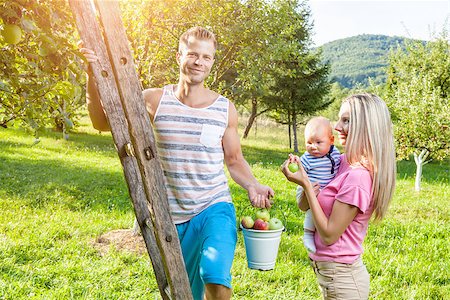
[{"x": 353, "y": 60}]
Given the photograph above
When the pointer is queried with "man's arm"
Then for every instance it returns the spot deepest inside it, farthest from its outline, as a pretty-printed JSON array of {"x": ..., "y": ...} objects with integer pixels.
[
  {"x": 151, "y": 99},
  {"x": 94, "y": 105},
  {"x": 240, "y": 171}
]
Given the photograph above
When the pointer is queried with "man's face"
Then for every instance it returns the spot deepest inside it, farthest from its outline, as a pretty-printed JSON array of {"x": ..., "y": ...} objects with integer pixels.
[{"x": 196, "y": 60}]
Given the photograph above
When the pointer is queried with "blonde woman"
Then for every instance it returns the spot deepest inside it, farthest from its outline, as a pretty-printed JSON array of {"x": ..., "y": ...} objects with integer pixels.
[{"x": 362, "y": 188}]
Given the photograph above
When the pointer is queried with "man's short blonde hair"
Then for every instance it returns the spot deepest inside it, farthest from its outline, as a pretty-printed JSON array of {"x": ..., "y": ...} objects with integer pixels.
[{"x": 199, "y": 33}]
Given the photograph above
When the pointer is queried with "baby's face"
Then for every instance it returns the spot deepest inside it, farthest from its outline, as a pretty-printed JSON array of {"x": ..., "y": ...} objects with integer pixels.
[{"x": 318, "y": 141}]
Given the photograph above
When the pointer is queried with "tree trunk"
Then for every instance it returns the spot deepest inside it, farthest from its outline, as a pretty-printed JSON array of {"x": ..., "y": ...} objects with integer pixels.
[
  {"x": 252, "y": 117},
  {"x": 289, "y": 130},
  {"x": 421, "y": 160},
  {"x": 294, "y": 129},
  {"x": 419, "y": 168}
]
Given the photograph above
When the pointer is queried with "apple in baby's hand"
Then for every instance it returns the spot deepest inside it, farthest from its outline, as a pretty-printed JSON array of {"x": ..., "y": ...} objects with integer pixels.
[
  {"x": 275, "y": 224},
  {"x": 247, "y": 222},
  {"x": 261, "y": 225},
  {"x": 263, "y": 214},
  {"x": 293, "y": 167}
]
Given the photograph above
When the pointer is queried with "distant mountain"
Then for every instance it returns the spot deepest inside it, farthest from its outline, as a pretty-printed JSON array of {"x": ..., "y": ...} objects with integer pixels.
[{"x": 353, "y": 60}]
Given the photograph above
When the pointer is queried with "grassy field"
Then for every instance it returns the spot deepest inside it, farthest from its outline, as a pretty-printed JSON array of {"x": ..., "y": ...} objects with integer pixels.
[{"x": 57, "y": 196}]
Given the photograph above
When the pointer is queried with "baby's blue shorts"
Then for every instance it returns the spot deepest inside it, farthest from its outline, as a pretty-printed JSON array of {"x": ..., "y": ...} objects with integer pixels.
[{"x": 208, "y": 242}]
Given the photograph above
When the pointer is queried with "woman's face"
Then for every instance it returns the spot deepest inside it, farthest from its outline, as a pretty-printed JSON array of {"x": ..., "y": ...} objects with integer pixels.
[{"x": 342, "y": 125}]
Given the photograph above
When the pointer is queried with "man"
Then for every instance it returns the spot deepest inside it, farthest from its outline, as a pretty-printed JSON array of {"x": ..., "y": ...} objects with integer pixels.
[{"x": 196, "y": 131}]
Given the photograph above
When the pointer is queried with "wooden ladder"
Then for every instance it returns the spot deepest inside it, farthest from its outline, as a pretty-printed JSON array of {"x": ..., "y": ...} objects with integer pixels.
[{"x": 121, "y": 95}]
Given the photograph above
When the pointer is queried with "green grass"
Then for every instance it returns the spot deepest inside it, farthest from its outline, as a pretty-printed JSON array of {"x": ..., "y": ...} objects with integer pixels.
[{"x": 57, "y": 196}]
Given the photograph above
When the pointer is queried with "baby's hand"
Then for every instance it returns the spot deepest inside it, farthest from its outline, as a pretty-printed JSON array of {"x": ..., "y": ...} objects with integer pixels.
[{"x": 316, "y": 188}]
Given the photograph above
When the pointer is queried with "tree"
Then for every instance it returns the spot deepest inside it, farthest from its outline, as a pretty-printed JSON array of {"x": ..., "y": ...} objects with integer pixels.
[
  {"x": 417, "y": 93},
  {"x": 253, "y": 65},
  {"x": 41, "y": 75},
  {"x": 299, "y": 78},
  {"x": 280, "y": 31},
  {"x": 301, "y": 86},
  {"x": 279, "y": 65}
]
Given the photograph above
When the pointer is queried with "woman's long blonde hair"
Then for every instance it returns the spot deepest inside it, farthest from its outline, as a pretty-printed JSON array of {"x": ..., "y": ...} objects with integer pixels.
[{"x": 370, "y": 142}]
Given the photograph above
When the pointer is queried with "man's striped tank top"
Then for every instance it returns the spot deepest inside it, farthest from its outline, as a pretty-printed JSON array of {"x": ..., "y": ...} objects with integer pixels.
[{"x": 189, "y": 142}]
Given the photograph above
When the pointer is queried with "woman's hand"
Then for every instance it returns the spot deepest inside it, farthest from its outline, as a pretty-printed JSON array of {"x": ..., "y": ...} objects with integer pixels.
[{"x": 300, "y": 177}]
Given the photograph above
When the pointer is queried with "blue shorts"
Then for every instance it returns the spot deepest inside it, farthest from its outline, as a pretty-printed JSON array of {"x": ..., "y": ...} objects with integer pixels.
[{"x": 208, "y": 242}]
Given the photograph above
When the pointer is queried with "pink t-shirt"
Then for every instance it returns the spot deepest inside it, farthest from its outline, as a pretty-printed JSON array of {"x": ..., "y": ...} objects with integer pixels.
[{"x": 352, "y": 185}]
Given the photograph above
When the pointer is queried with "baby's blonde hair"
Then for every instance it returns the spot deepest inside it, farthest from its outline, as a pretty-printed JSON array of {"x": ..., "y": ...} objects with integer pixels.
[{"x": 317, "y": 122}]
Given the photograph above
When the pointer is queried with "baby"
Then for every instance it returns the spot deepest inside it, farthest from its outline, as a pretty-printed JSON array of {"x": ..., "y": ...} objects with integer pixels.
[{"x": 321, "y": 162}]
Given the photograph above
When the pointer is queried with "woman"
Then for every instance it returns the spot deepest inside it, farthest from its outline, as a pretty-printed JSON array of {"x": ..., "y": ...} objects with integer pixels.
[{"x": 363, "y": 187}]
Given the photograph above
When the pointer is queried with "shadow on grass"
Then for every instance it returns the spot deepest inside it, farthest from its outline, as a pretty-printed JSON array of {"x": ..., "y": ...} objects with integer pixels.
[
  {"x": 99, "y": 141},
  {"x": 50, "y": 181}
]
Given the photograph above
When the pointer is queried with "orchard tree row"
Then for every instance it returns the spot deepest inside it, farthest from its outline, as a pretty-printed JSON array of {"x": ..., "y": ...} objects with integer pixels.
[{"x": 265, "y": 62}]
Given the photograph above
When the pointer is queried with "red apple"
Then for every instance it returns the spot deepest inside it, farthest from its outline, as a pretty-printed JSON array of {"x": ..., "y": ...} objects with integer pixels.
[
  {"x": 247, "y": 222},
  {"x": 261, "y": 225}
]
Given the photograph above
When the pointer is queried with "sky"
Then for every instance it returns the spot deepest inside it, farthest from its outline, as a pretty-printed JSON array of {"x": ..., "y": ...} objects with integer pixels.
[{"x": 418, "y": 19}]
